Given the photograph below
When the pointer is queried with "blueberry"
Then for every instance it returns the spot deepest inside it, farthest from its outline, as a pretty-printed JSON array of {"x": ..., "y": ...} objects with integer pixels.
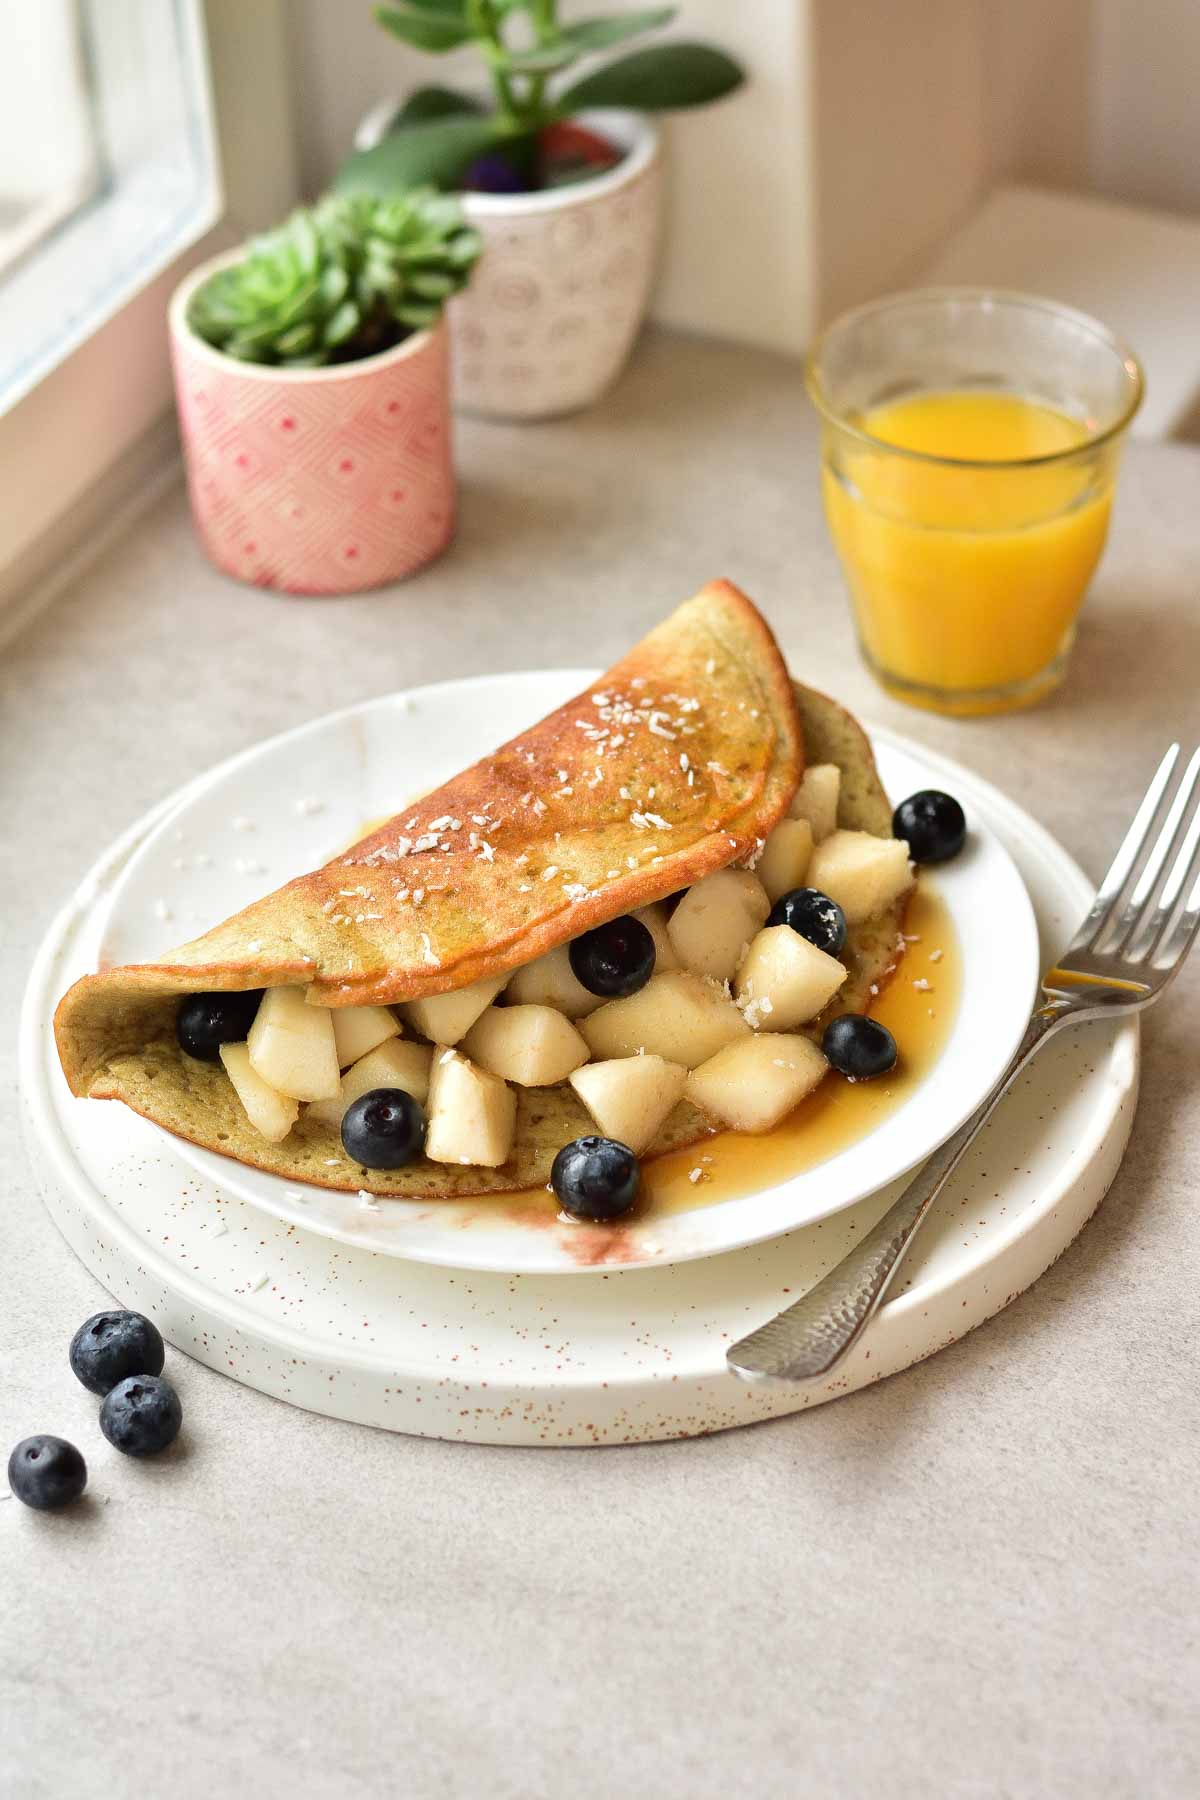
[
  {"x": 814, "y": 915},
  {"x": 932, "y": 824},
  {"x": 383, "y": 1129},
  {"x": 141, "y": 1415},
  {"x": 615, "y": 959},
  {"x": 111, "y": 1345},
  {"x": 46, "y": 1472},
  {"x": 206, "y": 1021},
  {"x": 858, "y": 1046},
  {"x": 596, "y": 1178}
]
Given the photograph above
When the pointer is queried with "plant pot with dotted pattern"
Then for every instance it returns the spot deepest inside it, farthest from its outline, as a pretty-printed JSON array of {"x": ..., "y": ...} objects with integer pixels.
[{"x": 316, "y": 481}]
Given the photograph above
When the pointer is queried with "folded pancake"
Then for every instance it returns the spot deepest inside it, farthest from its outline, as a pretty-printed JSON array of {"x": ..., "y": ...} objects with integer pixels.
[
  {"x": 548, "y": 1118},
  {"x": 678, "y": 762}
]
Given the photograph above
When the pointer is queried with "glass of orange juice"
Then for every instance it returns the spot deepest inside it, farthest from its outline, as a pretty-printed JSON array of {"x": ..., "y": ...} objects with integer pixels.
[{"x": 970, "y": 443}]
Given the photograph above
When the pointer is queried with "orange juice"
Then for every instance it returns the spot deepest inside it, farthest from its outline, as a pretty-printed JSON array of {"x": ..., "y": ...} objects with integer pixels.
[{"x": 966, "y": 573}]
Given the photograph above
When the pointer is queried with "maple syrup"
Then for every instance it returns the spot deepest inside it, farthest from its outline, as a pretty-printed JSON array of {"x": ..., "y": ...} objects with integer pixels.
[
  {"x": 918, "y": 1006},
  {"x": 839, "y": 1112}
]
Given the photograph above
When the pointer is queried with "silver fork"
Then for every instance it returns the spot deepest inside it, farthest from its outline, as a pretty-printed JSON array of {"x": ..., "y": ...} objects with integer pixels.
[{"x": 1131, "y": 945}]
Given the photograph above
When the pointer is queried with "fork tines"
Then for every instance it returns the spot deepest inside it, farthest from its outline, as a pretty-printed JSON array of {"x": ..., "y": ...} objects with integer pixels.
[{"x": 1155, "y": 876}]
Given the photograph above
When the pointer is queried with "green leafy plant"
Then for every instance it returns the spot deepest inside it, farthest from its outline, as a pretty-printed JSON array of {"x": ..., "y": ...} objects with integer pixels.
[
  {"x": 527, "y": 50},
  {"x": 341, "y": 280}
]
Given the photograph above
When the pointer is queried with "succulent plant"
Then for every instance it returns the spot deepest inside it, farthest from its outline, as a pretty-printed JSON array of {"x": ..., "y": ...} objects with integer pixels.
[{"x": 344, "y": 279}]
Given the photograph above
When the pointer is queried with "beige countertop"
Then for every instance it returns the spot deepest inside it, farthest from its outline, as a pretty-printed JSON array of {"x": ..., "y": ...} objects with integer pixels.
[{"x": 976, "y": 1579}]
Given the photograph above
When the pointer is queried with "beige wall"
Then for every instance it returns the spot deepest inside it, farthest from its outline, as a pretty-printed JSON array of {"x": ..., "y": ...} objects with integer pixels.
[
  {"x": 921, "y": 106},
  {"x": 869, "y": 132},
  {"x": 899, "y": 154},
  {"x": 1145, "y": 123},
  {"x": 1036, "y": 73},
  {"x": 737, "y": 255},
  {"x": 341, "y": 64}
]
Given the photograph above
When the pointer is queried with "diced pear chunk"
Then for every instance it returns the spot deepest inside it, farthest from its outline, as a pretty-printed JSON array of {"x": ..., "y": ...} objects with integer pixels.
[
  {"x": 654, "y": 918},
  {"x": 816, "y": 799},
  {"x": 292, "y": 1046},
  {"x": 394, "y": 1064},
  {"x": 531, "y": 1045},
  {"x": 357, "y": 1029},
  {"x": 630, "y": 1097},
  {"x": 679, "y": 1016},
  {"x": 716, "y": 919},
  {"x": 784, "y": 861},
  {"x": 472, "y": 1115},
  {"x": 445, "y": 1018},
  {"x": 550, "y": 981},
  {"x": 752, "y": 1085},
  {"x": 271, "y": 1113},
  {"x": 785, "y": 980},
  {"x": 864, "y": 874}
]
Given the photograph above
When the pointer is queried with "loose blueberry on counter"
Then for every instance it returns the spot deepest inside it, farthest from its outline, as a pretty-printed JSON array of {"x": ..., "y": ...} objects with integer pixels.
[
  {"x": 596, "y": 1178},
  {"x": 141, "y": 1415},
  {"x": 206, "y": 1021},
  {"x": 858, "y": 1046},
  {"x": 383, "y": 1129},
  {"x": 111, "y": 1345},
  {"x": 46, "y": 1473},
  {"x": 615, "y": 959},
  {"x": 932, "y": 824},
  {"x": 814, "y": 916}
]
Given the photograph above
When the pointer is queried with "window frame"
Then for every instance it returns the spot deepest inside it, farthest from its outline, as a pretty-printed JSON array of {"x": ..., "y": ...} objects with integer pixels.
[{"x": 78, "y": 447}]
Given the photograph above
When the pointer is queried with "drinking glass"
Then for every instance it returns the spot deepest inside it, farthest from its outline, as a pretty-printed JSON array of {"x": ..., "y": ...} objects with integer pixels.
[{"x": 967, "y": 570}]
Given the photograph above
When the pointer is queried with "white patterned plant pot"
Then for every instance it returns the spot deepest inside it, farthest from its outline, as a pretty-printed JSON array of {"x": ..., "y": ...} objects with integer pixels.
[{"x": 562, "y": 286}]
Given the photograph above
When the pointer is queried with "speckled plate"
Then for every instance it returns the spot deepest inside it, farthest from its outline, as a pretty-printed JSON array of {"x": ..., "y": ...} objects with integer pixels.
[
  {"x": 616, "y": 1356},
  {"x": 292, "y": 802}
]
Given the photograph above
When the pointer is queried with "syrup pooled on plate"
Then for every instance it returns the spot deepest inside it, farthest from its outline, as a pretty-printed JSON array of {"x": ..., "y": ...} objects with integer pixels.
[
  {"x": 840, "y": 1112},
  {"x": 918, "y": 1006}
]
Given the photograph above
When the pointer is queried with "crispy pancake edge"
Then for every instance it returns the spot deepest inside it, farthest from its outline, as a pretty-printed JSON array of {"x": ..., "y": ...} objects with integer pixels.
[{"x": 486, "y": 918}]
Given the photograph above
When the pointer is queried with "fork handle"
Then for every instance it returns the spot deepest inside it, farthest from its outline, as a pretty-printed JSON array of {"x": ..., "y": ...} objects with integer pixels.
[{"x": 808, "y": 1340}]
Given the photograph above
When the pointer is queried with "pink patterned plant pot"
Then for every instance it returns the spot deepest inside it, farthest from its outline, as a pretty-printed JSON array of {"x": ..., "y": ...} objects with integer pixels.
[
  {"x": 316, "y": 481},
  {"x": 561, "y": 288}
]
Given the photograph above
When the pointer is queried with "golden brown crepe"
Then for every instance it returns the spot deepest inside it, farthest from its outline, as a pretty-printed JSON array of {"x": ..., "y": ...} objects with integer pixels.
[{"x": 677, "y": 762}]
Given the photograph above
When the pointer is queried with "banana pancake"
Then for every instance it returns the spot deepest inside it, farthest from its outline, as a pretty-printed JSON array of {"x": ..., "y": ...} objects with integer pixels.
[{"x": 676, "y": 763}]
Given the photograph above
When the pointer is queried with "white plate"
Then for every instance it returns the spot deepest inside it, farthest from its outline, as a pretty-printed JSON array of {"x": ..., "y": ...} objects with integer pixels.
[
  {"x": 292, "y": 802},
  {"x": 620, "y": 1356}
]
